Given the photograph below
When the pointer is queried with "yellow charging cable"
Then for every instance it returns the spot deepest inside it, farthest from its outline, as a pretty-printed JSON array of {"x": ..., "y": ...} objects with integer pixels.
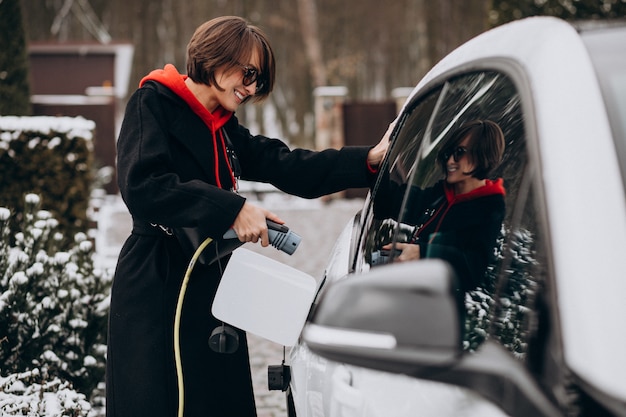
[{"x": 179, "y": 311}]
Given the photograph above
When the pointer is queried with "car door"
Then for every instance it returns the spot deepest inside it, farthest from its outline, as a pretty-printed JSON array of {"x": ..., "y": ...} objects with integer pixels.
[{"x": 516, "y": 304}]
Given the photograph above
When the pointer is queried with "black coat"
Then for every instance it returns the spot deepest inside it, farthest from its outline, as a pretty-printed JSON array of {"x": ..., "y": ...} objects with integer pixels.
[
  {"x": 166, "y": 174},
  {"x": 464, "y": 232},
  {"x": 461, "y": 230}
]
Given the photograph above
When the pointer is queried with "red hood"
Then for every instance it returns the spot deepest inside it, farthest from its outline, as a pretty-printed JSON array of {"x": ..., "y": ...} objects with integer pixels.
[
  {"x": 172, "y": 79},
  {"x": 490, "y": 188}
]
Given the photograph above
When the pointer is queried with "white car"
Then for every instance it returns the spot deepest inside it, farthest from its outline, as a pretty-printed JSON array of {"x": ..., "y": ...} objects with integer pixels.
[{"x": 543, "y": 334}]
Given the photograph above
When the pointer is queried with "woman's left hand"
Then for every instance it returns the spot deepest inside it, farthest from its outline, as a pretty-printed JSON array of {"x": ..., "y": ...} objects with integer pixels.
[{"x": 410, "y": 251}]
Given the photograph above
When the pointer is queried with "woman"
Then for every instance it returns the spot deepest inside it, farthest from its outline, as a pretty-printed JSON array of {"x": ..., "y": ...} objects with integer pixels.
[
  {"x": 180, "y": 152},
  {"x": 459, "y": 219}
]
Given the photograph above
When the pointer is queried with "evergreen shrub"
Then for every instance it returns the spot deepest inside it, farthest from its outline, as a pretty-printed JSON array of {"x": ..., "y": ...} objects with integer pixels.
[
  {"x": 51, "y": 157},
  {"x": 53, "y": 308}
]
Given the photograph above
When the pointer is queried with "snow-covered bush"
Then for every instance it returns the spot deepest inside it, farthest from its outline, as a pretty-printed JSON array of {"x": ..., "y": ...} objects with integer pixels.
[
  {"x": 513, "y": 287},
  {"x": 52, "y": 157},
  {"x": 33, "y": 393},
  {"x": 53, "y": 304}
]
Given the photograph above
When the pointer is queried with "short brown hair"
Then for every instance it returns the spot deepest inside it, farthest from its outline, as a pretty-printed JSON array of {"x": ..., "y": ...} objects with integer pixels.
[
  {"x": 227, "y": 42},
  {"x": 485, "y": 148}
]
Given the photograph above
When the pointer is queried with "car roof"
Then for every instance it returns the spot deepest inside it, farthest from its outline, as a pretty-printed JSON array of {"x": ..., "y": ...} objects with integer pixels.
[{"x": 580, "y": 174}]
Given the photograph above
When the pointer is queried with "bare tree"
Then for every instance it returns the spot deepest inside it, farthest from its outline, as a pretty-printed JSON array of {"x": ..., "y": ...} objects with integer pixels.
[
  {"x": 307, "y": 11},
  {"x": 452, "y": 22},
  {"x": 368, "y": 47}
]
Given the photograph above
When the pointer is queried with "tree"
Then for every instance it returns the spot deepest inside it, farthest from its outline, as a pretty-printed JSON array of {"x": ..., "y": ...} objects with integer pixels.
[
  {"x": 508, "y": 10},
  {"x": 365, "y": 45},
  {"x": 307, "y": 10},
  {"x": 14, "y": 87}
]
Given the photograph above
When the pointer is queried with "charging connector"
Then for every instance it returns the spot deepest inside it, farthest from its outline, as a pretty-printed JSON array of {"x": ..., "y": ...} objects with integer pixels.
[{"x": 280, "y": 237}]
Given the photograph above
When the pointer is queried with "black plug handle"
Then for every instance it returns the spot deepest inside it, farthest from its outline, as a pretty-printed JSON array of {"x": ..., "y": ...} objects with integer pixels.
[{"x": 275, "y": 226}]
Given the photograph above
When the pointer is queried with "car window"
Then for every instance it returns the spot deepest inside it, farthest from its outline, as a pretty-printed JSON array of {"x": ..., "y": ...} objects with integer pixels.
[
  {"x": 412, "y": 164},
  {"x": 500, "y": 266}
]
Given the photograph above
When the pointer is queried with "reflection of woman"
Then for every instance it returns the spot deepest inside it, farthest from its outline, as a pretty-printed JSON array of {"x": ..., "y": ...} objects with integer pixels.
[{"x": 459, "y": 219}]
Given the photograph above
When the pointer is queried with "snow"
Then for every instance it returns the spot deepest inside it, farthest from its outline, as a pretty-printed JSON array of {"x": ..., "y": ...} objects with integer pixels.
[
  {"x": 18, "y": 398},
  {"x": 72, "y": 126}
]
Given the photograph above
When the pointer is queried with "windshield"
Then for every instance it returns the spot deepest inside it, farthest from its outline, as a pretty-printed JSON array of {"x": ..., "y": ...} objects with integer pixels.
[{"x": 607, "y": 48}]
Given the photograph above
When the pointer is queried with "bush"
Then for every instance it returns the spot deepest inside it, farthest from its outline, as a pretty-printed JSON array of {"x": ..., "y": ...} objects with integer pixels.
[
  {"x": 53, "y": 303},
  {"x": 51, "y": 157},
  {"x": 503, "y": 311},
  {"x": 33, "y": 393}
]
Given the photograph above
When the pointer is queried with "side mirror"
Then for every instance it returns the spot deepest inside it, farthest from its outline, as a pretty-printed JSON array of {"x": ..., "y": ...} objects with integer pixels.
[
  {"x": 408, "y": 318},
  {"x": 407, "y": 312}
]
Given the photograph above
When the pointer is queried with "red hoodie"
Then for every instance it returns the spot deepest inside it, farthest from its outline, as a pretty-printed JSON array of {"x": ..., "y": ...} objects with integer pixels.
[
  {"x": 172, "y": 79},
  {"x": 490, "y": 188}
]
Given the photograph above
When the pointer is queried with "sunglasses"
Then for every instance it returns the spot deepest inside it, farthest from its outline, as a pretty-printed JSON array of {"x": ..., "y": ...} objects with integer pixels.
[
  {"x": 458, "y": 153},
  {"x": 250, "y": 75}
]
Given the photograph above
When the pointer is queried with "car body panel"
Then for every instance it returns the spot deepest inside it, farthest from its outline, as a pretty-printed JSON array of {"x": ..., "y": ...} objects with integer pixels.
[{"x": 330, "y": 389}]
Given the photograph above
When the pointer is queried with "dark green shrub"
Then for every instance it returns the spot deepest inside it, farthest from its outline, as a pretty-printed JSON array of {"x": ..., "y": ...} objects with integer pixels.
[
  {"x": 53, "y": 303},
  {"x": 51, "y": 157}
]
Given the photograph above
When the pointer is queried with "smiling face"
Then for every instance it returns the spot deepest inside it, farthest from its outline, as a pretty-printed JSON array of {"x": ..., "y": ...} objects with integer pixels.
[
  {"x": 231, "y": 90},
  {"x": 459, "y": 168},
  {"x": 471, "y": 154},
  {"x": 217, "y": 55}
]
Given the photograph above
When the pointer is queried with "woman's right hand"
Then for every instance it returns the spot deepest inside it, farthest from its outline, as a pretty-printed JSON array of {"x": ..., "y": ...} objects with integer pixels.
[{"x": 251, "y": 226}]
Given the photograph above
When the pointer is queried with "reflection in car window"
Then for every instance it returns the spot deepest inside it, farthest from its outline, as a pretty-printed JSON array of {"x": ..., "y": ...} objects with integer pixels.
[
  {"x": 506, "y": 308},
  {"x": 459, "y": 216},
  {"x": 412, "y": 166},
  {"x": 419, "y": 138}
]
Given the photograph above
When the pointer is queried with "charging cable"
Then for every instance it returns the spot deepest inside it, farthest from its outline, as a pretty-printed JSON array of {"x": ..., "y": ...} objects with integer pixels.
[
  {"x": 179, "y": 310},
  {"x": 280, "y": 237}
]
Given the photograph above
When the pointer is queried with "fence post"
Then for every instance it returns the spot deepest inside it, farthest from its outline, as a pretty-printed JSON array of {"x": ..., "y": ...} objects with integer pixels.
[
  {"x": 400, "y": 95},
  {"x": 329, "y": 116}
]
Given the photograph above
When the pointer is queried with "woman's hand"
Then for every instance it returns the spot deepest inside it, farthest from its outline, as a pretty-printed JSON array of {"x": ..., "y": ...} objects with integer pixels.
[
  {"x": 377, "y": 153},
  {"x": 251, "y": 226},
  {"x": 410, "y": 251}
]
